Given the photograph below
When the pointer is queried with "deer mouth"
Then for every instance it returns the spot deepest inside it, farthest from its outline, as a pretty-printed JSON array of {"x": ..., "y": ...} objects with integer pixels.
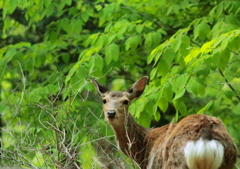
[{"x": 111, "y": 116}]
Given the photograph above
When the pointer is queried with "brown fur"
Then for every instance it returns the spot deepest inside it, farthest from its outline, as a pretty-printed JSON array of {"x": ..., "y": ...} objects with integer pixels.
[
  {"x": 161, "y": 148},
  {"x": 173, "y": 137}
]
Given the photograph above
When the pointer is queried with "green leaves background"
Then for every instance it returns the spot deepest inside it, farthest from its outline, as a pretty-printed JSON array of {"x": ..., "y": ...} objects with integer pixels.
[{"x": 49, "y": 49}]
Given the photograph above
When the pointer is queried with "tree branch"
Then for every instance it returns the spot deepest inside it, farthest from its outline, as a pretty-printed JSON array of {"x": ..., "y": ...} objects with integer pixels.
[
  {"x": 143, "y": 15},
  {"x": 229, "y": 85}
]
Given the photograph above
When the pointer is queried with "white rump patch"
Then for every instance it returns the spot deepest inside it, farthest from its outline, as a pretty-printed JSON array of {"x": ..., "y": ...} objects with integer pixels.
[{"x": 204, "y": 154}]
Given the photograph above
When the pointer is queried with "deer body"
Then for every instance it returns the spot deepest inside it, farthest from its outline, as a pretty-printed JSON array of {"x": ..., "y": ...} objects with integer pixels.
[{"x": 196, "y": 142}]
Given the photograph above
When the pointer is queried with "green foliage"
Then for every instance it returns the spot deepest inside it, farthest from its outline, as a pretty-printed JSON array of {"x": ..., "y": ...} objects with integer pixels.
[{"x": 50, "y": 48}]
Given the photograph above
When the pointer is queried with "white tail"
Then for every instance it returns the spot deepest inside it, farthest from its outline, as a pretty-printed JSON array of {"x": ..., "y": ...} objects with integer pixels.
[
  {"x": 209, "y": 151},
  {"x": 196, "y": 142}
]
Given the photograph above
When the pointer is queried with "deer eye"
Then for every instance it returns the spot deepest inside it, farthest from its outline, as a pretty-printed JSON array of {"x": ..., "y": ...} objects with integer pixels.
[
  {"x": 125, "y": 102},
  {"x": 104, "y": 101}
]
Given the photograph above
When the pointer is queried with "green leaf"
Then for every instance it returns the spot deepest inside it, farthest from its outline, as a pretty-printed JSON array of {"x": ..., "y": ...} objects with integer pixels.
[
  {"x": 122, "y": 30},
  {"x": 184, "y": 48},
  {"x": 133, "y": 42},
  {"x": 100, "y": 41},
  {"x": 139, "y": 106},
  {"x": 9, "y": 7},
  {"x": 163, "y": 67},
  {"x": 182, "y": 108},
  {"x": 148, "y": 40},
  {"x": 203, "y": 72},
  {"x": 49, "y": 10},
  {"x": 180, "y": 82},
  {"x": 128, "y": 44},
  {"x": 150, "y": 110},
  {"x": 233, "y": 43},
  {"x": 37, "y": 94},
  {"x": 46, "y": 3},
  {"x": 52, "y": 89},
  {"x": 2, "y": 109},
  {"x": 84, "y": 16},
  {"x": 196, "y": 87},
  {"x": 53, "y": 35},
  {"x": 215, "y": 59},
  {"x": 112, "y": 53},
  {"x": 192, "y": 56},
  {"x": 102, "y": 17},
  {"x": 168, "y": 93},
  {"x": 201, "y": 31},
  {"x": 157, "y": 116},
  {"x": 176, "y": 43},
  {"x": 168, "y": 55},
  {"x": 81, "y": 73},
  {"x": 162, "y": 104},
  {"x": 65, "y": 57},
  {"x": 179, "y": 94},
  {"x": 153, "y": 73},
  {"x": 224, "y": 43},
  {"x": 145, "y": 119},
  {"x": 68, "y": 2},
  {"x": 72, "y": 71},
  {"x": 98, "y": 7},
  {"x": 156, "y": 38},
  {"x": 7, "y": 23},
  {"x": 156, "y": 55},
  {"x": 207, "y": 47},
  {"x": 176, "y": 116},
  {"x": 76, "y": 26},
  {"x": 9, "y": 55},
  {"x": 225, "y": 56},
  {"x": 219, "y": 10},
  {"x": 110, "y": 39},
  {"x": 229, "y": 94},
  {"x": 206, "y": 108},
  {"x": 98, "y": 61},
  {"x": 139, "y": 28}
]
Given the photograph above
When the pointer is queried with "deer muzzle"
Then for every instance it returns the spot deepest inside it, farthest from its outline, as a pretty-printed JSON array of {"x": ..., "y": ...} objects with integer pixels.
[{"x": 111, "y": 114}]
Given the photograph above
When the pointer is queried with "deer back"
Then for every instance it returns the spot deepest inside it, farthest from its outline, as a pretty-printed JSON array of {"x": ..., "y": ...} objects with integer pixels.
[{"x": 169, "y": 150}]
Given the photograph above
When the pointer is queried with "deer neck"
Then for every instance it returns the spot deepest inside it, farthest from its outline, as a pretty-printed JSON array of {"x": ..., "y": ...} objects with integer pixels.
[{"x": 131, "y": 138}]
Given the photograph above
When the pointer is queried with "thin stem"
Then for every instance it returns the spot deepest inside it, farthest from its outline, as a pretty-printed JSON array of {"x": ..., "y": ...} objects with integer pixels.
[
  {"x": 229, "y": 84},
  {"x": 143, "y": 15}
]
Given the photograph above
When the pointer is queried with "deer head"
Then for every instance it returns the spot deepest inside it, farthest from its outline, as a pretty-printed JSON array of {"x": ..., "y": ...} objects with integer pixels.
[{"x": 116, "y": 103}]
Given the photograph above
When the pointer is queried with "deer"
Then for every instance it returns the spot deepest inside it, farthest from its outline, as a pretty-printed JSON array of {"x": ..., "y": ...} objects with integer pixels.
[{"x": 197, "y": 141}]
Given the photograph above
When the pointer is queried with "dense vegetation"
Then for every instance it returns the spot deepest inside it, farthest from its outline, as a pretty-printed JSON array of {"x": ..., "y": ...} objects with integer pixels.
[{"x": 51, "y": 116}]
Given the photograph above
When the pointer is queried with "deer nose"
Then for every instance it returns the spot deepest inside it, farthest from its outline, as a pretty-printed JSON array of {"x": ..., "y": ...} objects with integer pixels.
[{"x": 111, "y": 113}]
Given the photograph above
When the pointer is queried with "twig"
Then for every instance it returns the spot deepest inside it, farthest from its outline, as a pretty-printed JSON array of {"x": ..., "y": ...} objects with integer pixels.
[
  {"x": 111, "y": 136},
  {"x": 56, "y": 129},
  {"x": 235, "y": 53},
  {"x": 131, "y": 141},
  {"x": 66, "y": 150},
  {"x": 24, "y": 160},
  {"x": 229, "y": 84},
  {"x": 23, "y": 81},
  {"x": 157, "y": 23}
]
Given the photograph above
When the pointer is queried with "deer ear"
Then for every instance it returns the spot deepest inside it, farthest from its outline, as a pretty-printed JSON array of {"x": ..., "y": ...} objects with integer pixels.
[
  {"x": 137, "y": 88},
  {"x": 102, "y": 90}
]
